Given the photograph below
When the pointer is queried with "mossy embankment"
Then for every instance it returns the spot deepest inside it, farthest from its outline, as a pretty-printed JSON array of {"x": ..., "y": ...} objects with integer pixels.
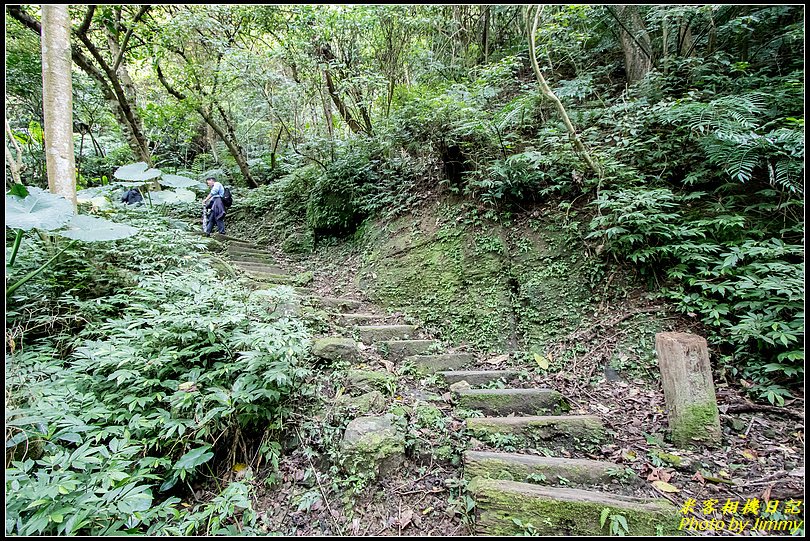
[{"x": 494, "y": 286}]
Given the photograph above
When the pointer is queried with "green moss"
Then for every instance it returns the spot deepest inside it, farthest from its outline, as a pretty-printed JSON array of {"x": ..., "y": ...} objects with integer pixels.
[
  {"x": 493, "y": 288},
  {"x": 500, "y": 511},
  {"x": 697, "y": 423}
]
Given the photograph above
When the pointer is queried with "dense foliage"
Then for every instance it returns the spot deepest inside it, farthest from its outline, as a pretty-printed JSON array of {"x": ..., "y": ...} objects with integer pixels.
[{"x": 132, "y": 373}]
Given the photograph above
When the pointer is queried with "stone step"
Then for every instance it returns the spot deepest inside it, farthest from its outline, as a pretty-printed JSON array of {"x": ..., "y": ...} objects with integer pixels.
[
  {"x": 520, "y": 467},
  {"x": 477, "y": 377},
  {"x": 252, "y": 257},
  {"x": 342, "y": 304},
  {"x": 378, "y": 333},
  {"x": 270, "y": 278},
  {"x": 242, "y": 249},
  {"x": 261, "y": 267},
  {"x": 399, "y": 349},
  {"x": 543, "y": 427},
  {"x": 506, "y": 401},
  {"x": 502, "y": 506},
  {"x": 429, "y": 364},
  {"x": 359, "y": 319}
]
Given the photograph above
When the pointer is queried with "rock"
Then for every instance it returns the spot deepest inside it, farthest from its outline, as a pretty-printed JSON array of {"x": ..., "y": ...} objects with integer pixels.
[
  {"x": 373, "y": 444},
  {"x": 398, "y": 349},
  {"x": 370, "y": 402},
  {"x": 367, "y": 380},
  {"x": 544, "y": 427},
  {"x": 460, "y": 386},
  {"x": 336, "y": 349},
  {"x": 298, "y": 243}
]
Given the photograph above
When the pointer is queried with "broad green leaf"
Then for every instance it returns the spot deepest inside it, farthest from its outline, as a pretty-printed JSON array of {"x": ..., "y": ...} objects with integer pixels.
[
  {"x": 177, "y": 181},
  {"x": 19, "y": 190},
  {"x": 194, "y": 458},
  {"x": 136, "y": 172},
  {"x": 40, "y": 210},
  {"x": 92, "y": 229}
]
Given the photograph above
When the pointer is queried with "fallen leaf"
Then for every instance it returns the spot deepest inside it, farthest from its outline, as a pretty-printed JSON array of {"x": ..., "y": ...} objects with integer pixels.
[
  {"x": 766, "y": 494},
  {"x": 541, "y": 361},
  {"x": 699, "y": 478},
  {"x": 749, "y": 454},
  {"x": 665, "y": 487},
  {"x": 405, "y": 518},
  {"x": 659, "y": 474}
]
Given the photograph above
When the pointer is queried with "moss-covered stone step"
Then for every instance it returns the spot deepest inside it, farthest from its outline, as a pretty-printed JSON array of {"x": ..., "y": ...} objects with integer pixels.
[
  {"x": 358, "y": 319},
  {"x": 269, "y": 277},
  {"x": 245, "y": 250},
  {"x": 399, "y": 349},
  {"x": 543, "y": 427},
  {"x": 337, "y": 303},
  {"x": 477, "y": 377},
  {"x": 378, "y": 333},
  {"x": 539, "y": 469},
  {"x": 505, "y": 401},
  {"x": 429, "y": 364},
  {"x": 252, "y": 257},
  {"x": 503, "y": 506},
  {"x": 260, "y": 267}
]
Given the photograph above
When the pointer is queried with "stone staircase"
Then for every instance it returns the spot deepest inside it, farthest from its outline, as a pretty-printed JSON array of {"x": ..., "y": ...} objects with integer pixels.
[{"x": 514, "y": 492}]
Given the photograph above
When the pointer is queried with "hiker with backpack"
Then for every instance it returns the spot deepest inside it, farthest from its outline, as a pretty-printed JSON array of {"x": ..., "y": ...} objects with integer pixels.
[{"x": 214, "y": 203}]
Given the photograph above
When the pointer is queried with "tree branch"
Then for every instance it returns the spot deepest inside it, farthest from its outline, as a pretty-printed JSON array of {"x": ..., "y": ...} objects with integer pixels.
[{"x": 141, "y": 13}]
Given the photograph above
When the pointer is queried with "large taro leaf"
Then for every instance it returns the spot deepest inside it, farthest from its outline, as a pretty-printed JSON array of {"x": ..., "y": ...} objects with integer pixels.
[
  {"x": 170, "y": 197},
  {"x": 177, "y": 181},
  {"x": 92, "y": 229},
  {"x": 136, "y": 172},
  {"x": 39, "y": 210}
]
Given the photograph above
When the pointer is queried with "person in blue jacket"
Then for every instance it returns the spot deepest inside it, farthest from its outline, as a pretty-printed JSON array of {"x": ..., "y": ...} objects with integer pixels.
[
  {"x": 213, "y": 201},
  {"x": 132, "y": 197}
]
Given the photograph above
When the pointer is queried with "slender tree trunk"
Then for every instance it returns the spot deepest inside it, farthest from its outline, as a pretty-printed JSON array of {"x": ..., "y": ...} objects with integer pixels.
[
  {"x": 485, "y": 34},
  {"x": 572, "y": 132},
  {"x": 57, "y": 100},
  {"x": 15, "y": 161},
  {"x": 635, "y": 42}
]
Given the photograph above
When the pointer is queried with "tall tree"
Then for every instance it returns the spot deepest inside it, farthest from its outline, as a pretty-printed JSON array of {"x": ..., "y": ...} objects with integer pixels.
[{"x": 57, "y": 101}]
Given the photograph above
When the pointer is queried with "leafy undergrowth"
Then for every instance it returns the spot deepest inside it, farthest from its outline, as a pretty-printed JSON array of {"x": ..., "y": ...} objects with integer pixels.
[{"x": 133, "y": 379}]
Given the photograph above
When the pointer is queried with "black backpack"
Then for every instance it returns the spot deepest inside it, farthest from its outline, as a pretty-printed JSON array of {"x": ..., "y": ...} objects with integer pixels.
[{"x": 227, "y": 199}]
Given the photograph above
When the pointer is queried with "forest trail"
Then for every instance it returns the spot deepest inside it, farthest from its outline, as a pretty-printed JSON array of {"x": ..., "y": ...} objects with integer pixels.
[{"x": 525, "y": 462}]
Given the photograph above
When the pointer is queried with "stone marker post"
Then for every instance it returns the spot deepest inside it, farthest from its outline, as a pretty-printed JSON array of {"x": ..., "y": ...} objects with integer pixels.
[{"x": 686, "y": 375}]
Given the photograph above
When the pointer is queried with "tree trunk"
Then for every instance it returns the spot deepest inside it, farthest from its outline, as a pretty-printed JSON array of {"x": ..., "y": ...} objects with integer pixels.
[
  {"x": 485, "y": 34},
  {"x": 635, "y": 42},
  {"x": 572, "y": 132},
  {"x": 57, "y": 101},
  {"x": 15, "y": 162}
]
